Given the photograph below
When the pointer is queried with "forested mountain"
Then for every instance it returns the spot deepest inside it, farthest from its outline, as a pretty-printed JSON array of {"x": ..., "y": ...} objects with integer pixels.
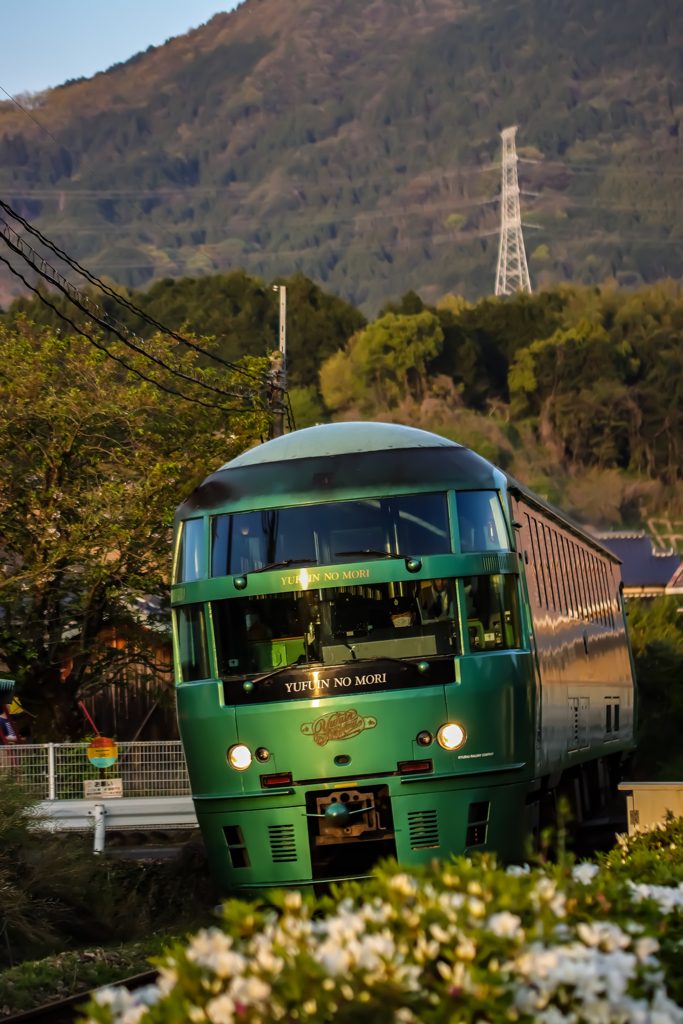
[{"x": 356, "y": 141}]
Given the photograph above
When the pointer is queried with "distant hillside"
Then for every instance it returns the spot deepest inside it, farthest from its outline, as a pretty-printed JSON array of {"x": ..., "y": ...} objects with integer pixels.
[{"x": 356, "y": 140}]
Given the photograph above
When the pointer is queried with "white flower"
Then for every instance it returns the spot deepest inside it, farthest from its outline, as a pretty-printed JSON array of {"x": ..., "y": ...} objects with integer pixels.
[
  {"x": 249, "y": 990},
  {"x": 476, "y": 907},
  {"x": 439, "y": 933},
  {"x": 584, "y": 873},
  {"x": 544, "y": 888},
  {"x": 404, "y": 884},
  {"x": 558, "y": 904},
  {"x": 505, "y": 925},
  {"x": 167, "y": 980},
  {"x": 517, "y": 870},
  {"x": 604, "y": 934},
  {"x": 666, "y": 896},
  {"x": 220, "y": 1010},
  {"x": 645, "y": 947},
  {"x": 293, "y": 900},
  {"x": 466, "y": 949}
]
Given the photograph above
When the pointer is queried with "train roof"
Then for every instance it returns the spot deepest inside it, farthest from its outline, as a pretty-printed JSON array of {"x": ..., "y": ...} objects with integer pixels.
[
  {"x": 535, "y": 501},
  {"x": 350, "y": 450},
  {"x": 328, "y": 439}
]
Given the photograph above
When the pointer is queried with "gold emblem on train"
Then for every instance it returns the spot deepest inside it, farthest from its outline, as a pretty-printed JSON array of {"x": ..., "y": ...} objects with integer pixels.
[{"x": 338, "y": 725}]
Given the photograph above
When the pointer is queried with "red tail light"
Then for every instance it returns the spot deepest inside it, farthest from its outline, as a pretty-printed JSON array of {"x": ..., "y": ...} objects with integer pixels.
[
  {"x": 415, "y": 767},
  {"x": 278, "y": 779}
]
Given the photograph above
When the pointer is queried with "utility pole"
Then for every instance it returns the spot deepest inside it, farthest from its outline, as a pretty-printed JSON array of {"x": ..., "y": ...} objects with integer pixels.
[
  {"x": 278, "y": 369},
  {"x": 513, "y": 273}
]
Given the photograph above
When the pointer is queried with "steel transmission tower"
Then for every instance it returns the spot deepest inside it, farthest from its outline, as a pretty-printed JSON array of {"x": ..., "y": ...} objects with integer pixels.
[{"x": 513, "y": 273}]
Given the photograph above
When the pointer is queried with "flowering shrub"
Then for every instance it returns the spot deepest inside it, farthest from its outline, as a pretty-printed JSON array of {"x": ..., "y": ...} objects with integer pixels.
[{"x": 456, "y": 943}]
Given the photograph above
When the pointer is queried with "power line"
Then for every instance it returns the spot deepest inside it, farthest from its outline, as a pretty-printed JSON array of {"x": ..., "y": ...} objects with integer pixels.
[
  {"x": 119, "y": 298},
  {"x": 117, "y": 359},
  {"x": 96, "y": 175},
  {"x": 86, "y": 305}
]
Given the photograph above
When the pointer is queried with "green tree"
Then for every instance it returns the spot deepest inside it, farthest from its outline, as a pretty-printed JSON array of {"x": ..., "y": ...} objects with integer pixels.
[
  {"x": 384, "y": 364},
  {"x": 238, "y": 312},
  {"x": 93, "y": 461},
  {"x": 656, "y": 632}
]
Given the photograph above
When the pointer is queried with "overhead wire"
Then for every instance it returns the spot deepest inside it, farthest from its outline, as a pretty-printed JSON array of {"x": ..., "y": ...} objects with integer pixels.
[
  {"x": 98, "y": 283},
  {"x": 117, "y": 359},
  {"x": 107, "y": 322},
  {"x": 99, "y": 178}
]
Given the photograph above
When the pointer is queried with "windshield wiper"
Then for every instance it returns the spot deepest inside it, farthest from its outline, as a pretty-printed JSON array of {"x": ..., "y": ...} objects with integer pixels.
[
  {"x": 276, "y": 671},
  {"x": 412, "y": 564},
  {"x": 277, "y": 565},
  {"x": 370, "y": 551},
  {"x": 377, "y": 657}
]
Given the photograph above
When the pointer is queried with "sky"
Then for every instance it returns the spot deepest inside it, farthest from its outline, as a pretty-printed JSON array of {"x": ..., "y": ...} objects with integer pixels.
[{"x": 49, "y": 42}]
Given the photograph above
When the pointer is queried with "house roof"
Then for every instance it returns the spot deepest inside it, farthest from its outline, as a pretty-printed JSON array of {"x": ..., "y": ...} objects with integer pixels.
[
  {"x": 676, "y": 582},
  {"x": 642, "y": 564}
]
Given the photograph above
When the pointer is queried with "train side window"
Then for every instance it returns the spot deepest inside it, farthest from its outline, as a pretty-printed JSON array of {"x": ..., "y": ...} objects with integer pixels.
[
  {"x": 573, "y": 576},
  {"x": 581, "y": 576},
  {"x": 606, "y": 594},
  {"x": 576, "y": 579},
  {"x": 608, "y": 591},
  {"x": 583, "y": 564},
  {"x": 481, "y": 521},
  {"x": 560, "y": 575},
  {"x": 597, "y": 584},
  {"x": 596, "y": 587},
  {"x": 591, "y": 583},
  {"x": 547, "y": 551},
  {"x": 492, "y": 608},
  {"x": 568, "y": 575},
  {"x": 189, "y": 552},
  {"x": 534, "y": 558},
  {"x": 192, "y": 642},
  {"x": 538, "y": 558}
]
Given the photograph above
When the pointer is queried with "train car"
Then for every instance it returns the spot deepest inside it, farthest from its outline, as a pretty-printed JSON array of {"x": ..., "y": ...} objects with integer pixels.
[{"x": 385, "y": 646}]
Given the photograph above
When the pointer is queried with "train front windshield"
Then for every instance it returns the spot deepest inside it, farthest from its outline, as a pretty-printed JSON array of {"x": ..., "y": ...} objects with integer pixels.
[
  {"x": 407, "y": 619},
  {"x": 336, "y": 625},
  {"x": 330, "y": 534}
]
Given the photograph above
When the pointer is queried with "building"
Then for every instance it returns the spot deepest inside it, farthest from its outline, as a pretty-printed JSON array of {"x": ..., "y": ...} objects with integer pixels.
[{"x": 646, "y": 571}]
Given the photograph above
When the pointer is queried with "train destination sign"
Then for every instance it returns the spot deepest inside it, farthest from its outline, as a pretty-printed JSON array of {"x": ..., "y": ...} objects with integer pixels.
[{"x": 339, "y": 680}]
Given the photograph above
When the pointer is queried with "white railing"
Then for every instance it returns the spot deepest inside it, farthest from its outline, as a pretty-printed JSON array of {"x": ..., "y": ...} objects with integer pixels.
[{"x": 57, "y": 771}]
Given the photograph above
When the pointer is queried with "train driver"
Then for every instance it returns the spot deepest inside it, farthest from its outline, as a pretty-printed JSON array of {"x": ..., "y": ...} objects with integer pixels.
[{"x": 436, "y": 601}]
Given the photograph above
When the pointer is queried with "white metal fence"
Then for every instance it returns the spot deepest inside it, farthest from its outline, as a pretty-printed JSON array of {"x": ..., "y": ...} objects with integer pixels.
[{"x": 57, "y": 771}]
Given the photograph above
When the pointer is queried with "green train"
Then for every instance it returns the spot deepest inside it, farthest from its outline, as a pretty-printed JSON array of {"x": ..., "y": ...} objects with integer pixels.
[{"x": 386, "y": 646}]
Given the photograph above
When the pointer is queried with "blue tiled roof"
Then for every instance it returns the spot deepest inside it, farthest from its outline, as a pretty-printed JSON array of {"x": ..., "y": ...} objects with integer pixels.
[{"x": 642, "y": 565}]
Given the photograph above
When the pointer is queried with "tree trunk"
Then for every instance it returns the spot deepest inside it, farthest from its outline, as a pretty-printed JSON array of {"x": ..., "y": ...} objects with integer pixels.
[{"x": 55, "y": 705}]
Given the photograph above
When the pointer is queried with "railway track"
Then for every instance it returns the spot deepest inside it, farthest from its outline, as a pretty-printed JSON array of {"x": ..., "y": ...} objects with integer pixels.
[{"x": 65, "y": 1011}]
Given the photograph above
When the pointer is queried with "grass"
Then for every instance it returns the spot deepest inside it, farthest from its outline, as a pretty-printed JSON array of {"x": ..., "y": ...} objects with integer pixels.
[{"x": 36, "y": 983}]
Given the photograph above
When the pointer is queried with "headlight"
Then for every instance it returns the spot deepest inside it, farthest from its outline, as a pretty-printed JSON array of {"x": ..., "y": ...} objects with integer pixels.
[
  {"x": 451, "y": 736},
  {"x": 239, "y": 757}
]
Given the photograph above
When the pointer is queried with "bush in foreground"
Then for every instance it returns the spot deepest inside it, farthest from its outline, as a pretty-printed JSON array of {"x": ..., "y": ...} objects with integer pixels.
[{"x": 467, "y": 941}]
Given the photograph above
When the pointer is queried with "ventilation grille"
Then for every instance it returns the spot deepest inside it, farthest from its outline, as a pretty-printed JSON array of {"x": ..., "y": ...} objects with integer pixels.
[
  {"x": 282, "y": 843},
  {"x": 424, "y": 830},
  {"x": 499, "y": 563}
]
